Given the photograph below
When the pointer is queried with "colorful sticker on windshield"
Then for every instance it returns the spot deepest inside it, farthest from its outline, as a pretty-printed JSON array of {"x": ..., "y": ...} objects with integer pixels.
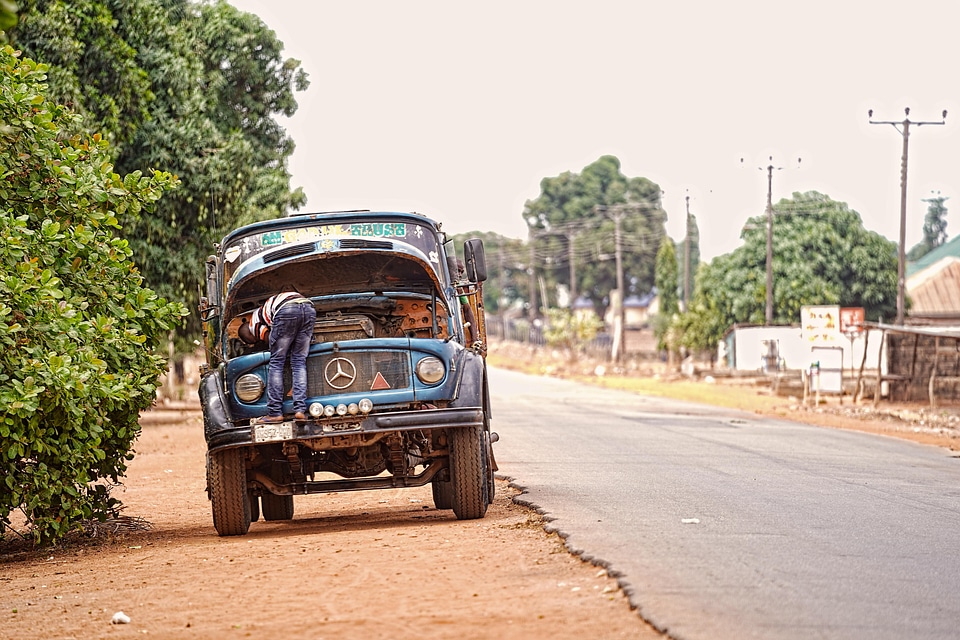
[
  {"x": 326, "y": 236},
  {"x": 359, "y": 229}
]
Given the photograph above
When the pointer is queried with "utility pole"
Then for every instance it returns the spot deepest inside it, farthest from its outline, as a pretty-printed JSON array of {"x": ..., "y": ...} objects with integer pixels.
[
  {"x": 768, "y": 315},
  {"x": 686, "y": 261},
  {"x": 769, "y": 311},
  {"x": 616, "y": 213},
  {"x": 501, "y": 310},
  {"x": 901, "y": 252},
  {"x": 571, "y": 235},
  {"x": 532, "y": 313},
  {"x": 618, "y": 346}
]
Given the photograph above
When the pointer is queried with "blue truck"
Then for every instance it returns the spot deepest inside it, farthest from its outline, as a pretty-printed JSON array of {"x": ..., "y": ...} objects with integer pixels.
[{"x": 397, "y": 391}]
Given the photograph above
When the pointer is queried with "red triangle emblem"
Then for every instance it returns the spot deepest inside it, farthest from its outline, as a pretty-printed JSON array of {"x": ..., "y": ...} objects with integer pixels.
[{"x": 379, "y": 383}]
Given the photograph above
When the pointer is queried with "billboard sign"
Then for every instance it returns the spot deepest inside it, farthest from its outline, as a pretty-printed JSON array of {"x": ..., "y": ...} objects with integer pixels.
[
  {"x": 820, "y": 325},
  {"x": 851, "y": 320}
]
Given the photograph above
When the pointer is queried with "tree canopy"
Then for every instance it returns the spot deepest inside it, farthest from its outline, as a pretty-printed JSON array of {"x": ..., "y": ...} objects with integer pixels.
[
  {"x": 576, "y": 210},
  {"x": 80, "y": 333},
  {"x": 666, "y": 277},
  {"x": 694, "y": 244},
  {"x": 507, "y": 282},
  {"x": 193, "y": 88},
  {"x": 934, "y": 228},
  {"x": 822, "y": 254}
]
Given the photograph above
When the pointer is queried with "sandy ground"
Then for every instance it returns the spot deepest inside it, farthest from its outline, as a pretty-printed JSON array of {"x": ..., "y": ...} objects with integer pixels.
[{"x": 373, "y": 564}]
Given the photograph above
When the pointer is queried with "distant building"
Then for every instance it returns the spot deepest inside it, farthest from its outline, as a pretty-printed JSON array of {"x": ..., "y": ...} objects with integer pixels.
[
  {"x": 933, "y": 284},
  {"x": 583, "y": 307},
  {"x": 637, "y": 310}
]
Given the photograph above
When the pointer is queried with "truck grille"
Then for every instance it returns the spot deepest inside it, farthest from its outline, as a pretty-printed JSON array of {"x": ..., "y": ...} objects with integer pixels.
[{"x": 393, "y": 368}]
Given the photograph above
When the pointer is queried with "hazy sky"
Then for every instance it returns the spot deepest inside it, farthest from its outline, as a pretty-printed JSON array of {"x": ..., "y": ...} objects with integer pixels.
[{"x": 457, "y": 110}]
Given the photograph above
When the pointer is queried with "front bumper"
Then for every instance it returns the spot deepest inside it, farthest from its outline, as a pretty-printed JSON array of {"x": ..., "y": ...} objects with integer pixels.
[{"x": 255, "y": 433}]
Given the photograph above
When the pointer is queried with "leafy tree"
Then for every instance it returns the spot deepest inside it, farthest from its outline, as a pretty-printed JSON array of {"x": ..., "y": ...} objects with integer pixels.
[
  {"x": 694, "y": 257},
  {"x": 92, "y": 70},
  {"x": 666, "y": 277},
  {"x": 570, "y": 209},
  {"x": 570, "y": 331},
  {"x": 822, "y": 255},
  {"x": 666, "y": 283},
  {"x": 934, "y": 228},
  {"x": 80, "y": 333},
  {"x": 507, "y": 280},
  {"x": 8, "y": 17},
  {"x": 188, "y": 87}
]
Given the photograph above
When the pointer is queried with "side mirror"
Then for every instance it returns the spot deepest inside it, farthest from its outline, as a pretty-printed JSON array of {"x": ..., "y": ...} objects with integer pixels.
[
  {"x": 475, "y": 263},
  {"x": 207, "y": 312}
]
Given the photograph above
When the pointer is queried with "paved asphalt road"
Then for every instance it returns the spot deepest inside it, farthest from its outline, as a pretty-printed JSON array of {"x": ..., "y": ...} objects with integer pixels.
[{"x": 727, "y": 525}]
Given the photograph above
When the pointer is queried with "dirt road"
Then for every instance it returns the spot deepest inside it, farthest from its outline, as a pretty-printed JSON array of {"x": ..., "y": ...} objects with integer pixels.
[
  {"x": 380, "y": 564},
  {"x": 352, "y": 565}
]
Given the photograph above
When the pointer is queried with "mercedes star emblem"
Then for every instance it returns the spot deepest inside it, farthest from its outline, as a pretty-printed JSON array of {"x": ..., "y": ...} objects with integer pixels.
[{"x": 340, "y": 373}]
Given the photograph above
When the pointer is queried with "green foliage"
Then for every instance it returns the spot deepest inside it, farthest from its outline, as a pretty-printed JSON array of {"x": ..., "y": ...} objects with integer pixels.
[
  {"x": 570, "y": 331},
  {"x": 694, "y": 257},
  {"x": 80, "y": 334},
  {"x": 8, "y": 16},
  {"x": 567, "y": 212},
  {"x": 934, "y": 228},
  {"x": 507, "y": 280},
  {"x": 822, "y": 255},
  {"x": 666, "y": 277},
  {"x": 666, "y": 283},
  {"x": 189, "y": 87},
  {"x": 91, "y": 70}
]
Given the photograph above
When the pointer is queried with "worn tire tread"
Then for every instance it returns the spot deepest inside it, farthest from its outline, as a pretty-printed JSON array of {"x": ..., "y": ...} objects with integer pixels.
[
  {"x": 467, "y": 474},
  {"x": 228, "y": 493}
]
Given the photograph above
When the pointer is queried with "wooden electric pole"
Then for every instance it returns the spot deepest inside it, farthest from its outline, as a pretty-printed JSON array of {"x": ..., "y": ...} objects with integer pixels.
[
  {"x": 686, "y": 261},
  {"x": 768, "y": 313},
  {"x": 903, "y": 126}
]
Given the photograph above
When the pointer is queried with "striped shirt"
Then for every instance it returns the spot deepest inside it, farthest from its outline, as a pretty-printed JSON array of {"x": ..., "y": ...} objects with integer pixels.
[{"x": 262, "y": 319}]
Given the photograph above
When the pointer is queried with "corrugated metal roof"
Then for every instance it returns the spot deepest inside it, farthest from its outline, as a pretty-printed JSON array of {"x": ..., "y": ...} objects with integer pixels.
[
  {"x": 926, "y": 330},
  {"x": 936, "y": 289},
  {"x": 948, "y": 249}
]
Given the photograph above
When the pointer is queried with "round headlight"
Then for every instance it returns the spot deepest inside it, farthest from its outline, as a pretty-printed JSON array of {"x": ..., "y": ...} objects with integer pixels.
[
  {"x": 315, "y": 409},
  {"x": 430, "y": 370},
  {"x": 353, "y": 409},
  {"x": 341, "y": 409},
  {"x": 329, "y": 410},
  {"x": 365, "y": 405},
  {"x": 249, "y": 387}
]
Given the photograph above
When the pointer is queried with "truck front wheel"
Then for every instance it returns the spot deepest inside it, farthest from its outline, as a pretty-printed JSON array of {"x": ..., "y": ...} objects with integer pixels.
[
  {"x": 228, "y": 492},
  {"x": 468, "y": 474}
]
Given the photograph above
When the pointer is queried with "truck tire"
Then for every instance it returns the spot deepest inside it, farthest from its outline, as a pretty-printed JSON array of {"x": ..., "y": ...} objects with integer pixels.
[
  {"x": 277, "y": 507},
  {"x": 468, "y": 473},
  {"x": 228, "y": 493},
  {"x": 442, "y": 494}
]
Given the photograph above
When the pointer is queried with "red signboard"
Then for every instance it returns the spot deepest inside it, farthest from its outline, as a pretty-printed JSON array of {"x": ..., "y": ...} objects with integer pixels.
[{"x": 851, "y": 320}]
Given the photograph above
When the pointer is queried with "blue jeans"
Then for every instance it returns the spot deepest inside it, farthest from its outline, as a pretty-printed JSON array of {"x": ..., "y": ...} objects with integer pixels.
[{"x": 290, "y": 335}]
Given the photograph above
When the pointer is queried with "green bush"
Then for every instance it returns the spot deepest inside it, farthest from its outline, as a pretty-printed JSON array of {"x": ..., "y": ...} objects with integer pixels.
[
  {"x": 569, "y": 331},
  {"x": 79, "y": 334}
]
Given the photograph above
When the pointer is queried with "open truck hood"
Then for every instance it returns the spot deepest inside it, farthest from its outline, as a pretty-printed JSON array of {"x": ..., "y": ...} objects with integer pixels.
[{"x": 322, "y": 259}]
